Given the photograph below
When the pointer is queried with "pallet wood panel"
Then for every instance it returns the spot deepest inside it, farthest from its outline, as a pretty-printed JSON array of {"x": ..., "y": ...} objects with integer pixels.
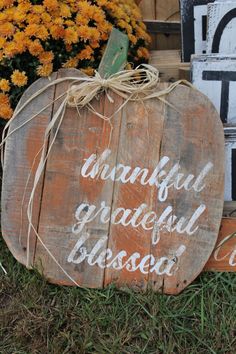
[
  {"x": 163, "y": 10},
  {"x": 102, "y": 217},
  {"x": 16, "y": 181},
  {"x": 163, "y": 22},
  {"x": 169, "y": 64}
]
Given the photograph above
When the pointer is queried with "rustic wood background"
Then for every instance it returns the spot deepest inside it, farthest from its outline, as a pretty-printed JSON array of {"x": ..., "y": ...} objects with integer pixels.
[{"x": 139, "y": 138}]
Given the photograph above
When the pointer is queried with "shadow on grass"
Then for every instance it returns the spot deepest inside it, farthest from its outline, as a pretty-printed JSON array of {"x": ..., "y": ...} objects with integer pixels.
[{"x": 36, "y": 317}]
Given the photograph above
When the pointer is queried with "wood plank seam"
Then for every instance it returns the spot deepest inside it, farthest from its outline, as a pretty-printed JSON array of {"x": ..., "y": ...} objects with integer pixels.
[{"x": 43, "y": 176}]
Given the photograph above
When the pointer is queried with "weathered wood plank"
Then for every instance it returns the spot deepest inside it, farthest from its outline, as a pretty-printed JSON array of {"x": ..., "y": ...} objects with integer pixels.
[
  {"x": 65, "y": 190},
  {"x": 20, "y": 151},
  {"x": 115, "y": 55},
  {"x": 139, "y": 145},
  {"x": 187, "y": 140},
  {"x": 223, "y": 259}
]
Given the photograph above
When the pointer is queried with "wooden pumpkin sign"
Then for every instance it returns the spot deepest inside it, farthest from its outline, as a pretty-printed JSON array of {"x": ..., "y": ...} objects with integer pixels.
[{"x": 135, "y": 201}]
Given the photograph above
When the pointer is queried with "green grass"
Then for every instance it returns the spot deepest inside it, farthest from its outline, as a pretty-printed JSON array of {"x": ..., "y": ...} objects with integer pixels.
[{"x": 36, "y": 317}]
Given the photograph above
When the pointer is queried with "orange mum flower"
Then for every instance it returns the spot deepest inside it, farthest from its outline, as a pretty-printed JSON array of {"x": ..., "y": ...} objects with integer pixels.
[
  {"x": 4, "y": 85},
  {"x": 4, "y": 99},
  {"x": 6, "y": 111},
  {"x": 51, "y": 5},
  {"x": 143, "y": 53},
  {"x": 71, "y": 35},
  {"x": 19, "y": 78},
  {"x": 44, "y": 70},
  {"x": 71, "y": 63},
  {"x": 57, "y": 31},
  {"x": 46, "y": 57},
  {"x": 85, "y": 53},
  {"x": 7, "y": 29},
  {"x": 88, "y": 71},
  {"x": 35, "y": 47}
]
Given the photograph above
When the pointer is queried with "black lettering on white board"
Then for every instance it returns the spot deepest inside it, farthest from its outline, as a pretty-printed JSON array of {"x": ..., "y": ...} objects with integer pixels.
[
  {"x": 193, "y": 27},
  {"x": 215, "y": 76},
  {"x": 230, "y": 164},
  {"x": 221, "y": 36}
]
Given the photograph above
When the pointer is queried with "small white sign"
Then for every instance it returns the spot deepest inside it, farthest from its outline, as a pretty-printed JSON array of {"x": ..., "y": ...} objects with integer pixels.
[
  {"x": 230, "y": 164},
  {"x": 221, "y": 36},
  {"x": 215, "y": 76},
  {"x": 200, "y": 28}
]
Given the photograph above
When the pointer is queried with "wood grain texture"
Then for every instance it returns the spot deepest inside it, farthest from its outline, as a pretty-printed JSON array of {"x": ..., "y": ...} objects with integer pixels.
[
  {"x": 65, "y": 189},
  {"x": 168, "y": 62},
  {"x": 187, "y": 140},
  {"x": 223, "y": 259},
  {"x": 90, "y": 250},
  {"x": 164, "y": 10},
  {"x": 20, "y": 151},
  {"x": 115, "y": 55}
]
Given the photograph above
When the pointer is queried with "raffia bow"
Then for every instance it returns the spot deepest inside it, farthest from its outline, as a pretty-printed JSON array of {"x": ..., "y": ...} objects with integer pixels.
[{"x": 132, "y": 85}]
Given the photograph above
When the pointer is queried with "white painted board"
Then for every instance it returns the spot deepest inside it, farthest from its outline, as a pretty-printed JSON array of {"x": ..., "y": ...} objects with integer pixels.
[
  {"x": 215, "y": 76},
  {"x": 230, "y": 164},
  {"x": 221, "y": 35}
]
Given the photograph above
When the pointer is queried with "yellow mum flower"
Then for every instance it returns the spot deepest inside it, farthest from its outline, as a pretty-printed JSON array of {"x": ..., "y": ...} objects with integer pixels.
[
  {"x": 57, "y": 31},
  {"x": 7, "y": 29},
  {"x": 31, "y": 30},
  {"x": 64, "y": 10},
  {"x": 38, "y": 9},
  {"x": 71, "y": 63},
  {"x": 88, "y": 71},
  {"x": 143, "y": 53},
  {"x": 6, "y": 111},
  {"x": 51, "y": 5},
  {"x": 35, "y": 47},
  {"x": 86, "y": 53},
  {"x": 19, "y": 16},
  {"x": 4, "y": 85},
  {"x": 42, "y": 33},
  {"x": 71, "y": 35},
  {"x": 4, "y": 99},
  {"x": 44, "y": 70},
  {"x": 3, "y": 17},
  {"x": 132, "y": 39},
  {"x": 46, "y": 18},
  {"x": 7, "y": 3},
  {"x": 10, "y": 49},
  {"x": 58, "y": 21},
  {"x": 2, "y": 42},
  {"x": 46, "y": 57},
  {"x": 33, "y": 18},
  {"x": 81, "y": 20},
  {"x": 19, "y": 78},
  {"x": 69, "y": 23}
]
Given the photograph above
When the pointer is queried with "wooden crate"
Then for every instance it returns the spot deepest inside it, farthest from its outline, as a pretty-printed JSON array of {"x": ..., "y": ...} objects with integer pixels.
[
  {"x": 168, "y": 62},
  {"x": 162, "y": 18}
]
